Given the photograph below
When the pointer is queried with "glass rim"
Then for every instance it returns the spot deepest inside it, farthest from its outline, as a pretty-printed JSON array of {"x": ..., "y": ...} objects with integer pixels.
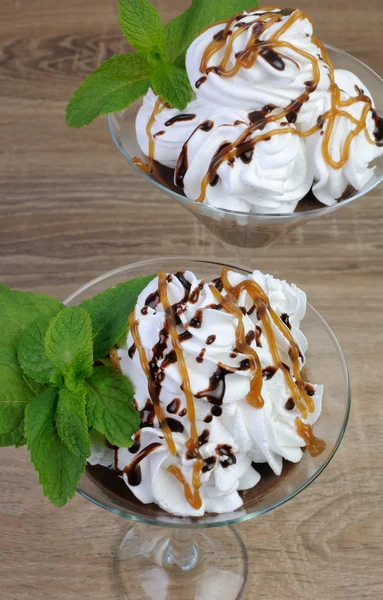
[
  {"x": 317, "y": 212},
  {"x": 193, "y": 523}
]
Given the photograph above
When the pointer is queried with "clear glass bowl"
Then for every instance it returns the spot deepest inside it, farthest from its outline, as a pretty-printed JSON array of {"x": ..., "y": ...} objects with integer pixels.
[
  {"x": 151, "y": 549},
  {"x": 237, "y": 228}
]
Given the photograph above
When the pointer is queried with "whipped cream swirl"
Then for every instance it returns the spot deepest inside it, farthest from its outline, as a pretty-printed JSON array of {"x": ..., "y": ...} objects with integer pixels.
[
  {"x": 170, "y": 128},
  {"x": 233, "y": 434},
  {"x": 274, "y": 78},
  {"x": 332, "y": 184},
  {"x": 270, "y": 178}
]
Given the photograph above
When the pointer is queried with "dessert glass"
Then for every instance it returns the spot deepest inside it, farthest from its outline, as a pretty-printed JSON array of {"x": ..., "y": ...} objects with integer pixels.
[
  {"x": 161, "y": 556},
  {"x": 240, "y": 229}
]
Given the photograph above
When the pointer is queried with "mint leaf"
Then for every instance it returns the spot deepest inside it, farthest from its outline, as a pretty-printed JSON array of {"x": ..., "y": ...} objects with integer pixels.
[
  {"x": 21, "y": 443},
  {"x": 109, "y": 312},
  {"x": 31, "y": 351},
  {"x": 15, "y": 392},
  {"x": 18, "y": 309},
  {"x": 172, "y": 84},
  {"x": 59, "y": 470},
  {"x": 14, "y": 438},
  {"x": 182, "y": 31},
  {"x": 74, "y": 382},
  {"x": 141, "y": 25},
  {"x": 117, "y": 83},
  {"x": 110, "y": 406},
  {"x": 71, "y": 421},
  {"x": 68, "y": 342}
]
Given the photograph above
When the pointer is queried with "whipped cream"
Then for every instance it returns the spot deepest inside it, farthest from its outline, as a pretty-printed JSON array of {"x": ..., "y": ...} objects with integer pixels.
[
  {"x": 233, "y": 434},
  {"x": 271, "y": 178},
  {"x": 272, "y": 79},
  {"x": 246, "y": 72},
  {"x": 330, "y": 183},
  {"x": 170, "y": 128}
]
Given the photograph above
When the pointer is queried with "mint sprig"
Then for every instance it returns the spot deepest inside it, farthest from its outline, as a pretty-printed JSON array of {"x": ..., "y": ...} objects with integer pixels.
[
  {"x": 159, "y": 62},
  {"x": 52, "y": 392}
]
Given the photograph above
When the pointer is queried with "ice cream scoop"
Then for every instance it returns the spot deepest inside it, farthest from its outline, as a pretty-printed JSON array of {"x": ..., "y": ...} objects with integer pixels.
[{"x": 216, "y": 368}]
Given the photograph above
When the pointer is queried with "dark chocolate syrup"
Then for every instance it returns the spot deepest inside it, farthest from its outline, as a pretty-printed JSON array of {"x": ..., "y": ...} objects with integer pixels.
[
  {"x": 179, "y": 118},
  {"x": 133, "y": 470},
  {"x": 217, "y": 386},
  {"x": 174, "y": 425},
  {"x": 174, "y": 406},
  {"x": 269, "y": 372}
]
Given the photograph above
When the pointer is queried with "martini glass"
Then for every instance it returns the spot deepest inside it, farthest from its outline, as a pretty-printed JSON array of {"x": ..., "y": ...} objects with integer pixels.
[
  {"x": 238, "y": 229},
  {"x": 164, "y": 557}
]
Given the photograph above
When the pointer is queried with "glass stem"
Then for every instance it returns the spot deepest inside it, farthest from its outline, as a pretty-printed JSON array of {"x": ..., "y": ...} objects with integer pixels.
[{"x": 181, "y": 552}]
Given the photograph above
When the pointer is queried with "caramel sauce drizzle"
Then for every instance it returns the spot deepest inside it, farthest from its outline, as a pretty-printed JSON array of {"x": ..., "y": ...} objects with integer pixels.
[
  {"x": 133, "y": 324},
  {"x": 302, "y": 400},
  {"x": 192, "y": 445},
  {"x": 314, "y": 445},
  {"x": 147, "y": 168},
  {"x": 254, "y": 397},
  {"x": 114, "y": 360},
  {"x": 256, "y": 47},
  {"x": 192, "y": 494}
]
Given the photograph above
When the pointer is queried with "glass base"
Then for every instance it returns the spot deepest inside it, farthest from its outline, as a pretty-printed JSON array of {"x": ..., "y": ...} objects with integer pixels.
[{"x": 154, "y": 563}]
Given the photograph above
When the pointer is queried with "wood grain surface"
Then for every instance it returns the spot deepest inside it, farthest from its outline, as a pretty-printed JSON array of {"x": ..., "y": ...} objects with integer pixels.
[{"x": 71, "y": 208}]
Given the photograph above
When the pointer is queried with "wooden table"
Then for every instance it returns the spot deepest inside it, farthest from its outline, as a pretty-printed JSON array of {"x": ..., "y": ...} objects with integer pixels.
[{"x": 71, "y": 208}]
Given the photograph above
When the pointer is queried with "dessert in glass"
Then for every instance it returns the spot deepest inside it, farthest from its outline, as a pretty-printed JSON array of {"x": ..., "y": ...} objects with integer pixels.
[
  {"x": 282, "y": 129},
  {"x": 228, "y": 367}
]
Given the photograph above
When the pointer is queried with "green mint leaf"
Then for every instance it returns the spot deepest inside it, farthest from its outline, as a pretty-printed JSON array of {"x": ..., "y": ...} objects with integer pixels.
[
  {"x": 110, "y": 406},
  {"x": 172, "y": 84},
  {"x": 182, "y": 31},
  {"x": 13, "y": 438},
  {"x": 15, "y": 392},
  {"x": 68, "y": 342},
  {"x": 71, "y": 422},
  {"x": 21, "y": 443},
  {"x": 74, "y": 382},
  {"x": 109, "y": 312},
  {"x": 31, "y": 351},
  {"x": 59, "y": 470},
  {"x": 141, "y": 25},
  {"x": 18, "y": 309},
  {"x": 117, "y": 83}
]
